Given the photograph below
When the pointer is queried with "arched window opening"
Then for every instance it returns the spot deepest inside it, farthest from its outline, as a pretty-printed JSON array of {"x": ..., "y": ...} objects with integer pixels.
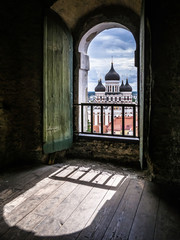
[{"x": 109, "y": 86}]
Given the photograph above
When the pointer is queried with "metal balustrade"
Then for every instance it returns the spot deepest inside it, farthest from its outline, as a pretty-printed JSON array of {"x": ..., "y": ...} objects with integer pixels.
[{"x": 109, "y": 119}]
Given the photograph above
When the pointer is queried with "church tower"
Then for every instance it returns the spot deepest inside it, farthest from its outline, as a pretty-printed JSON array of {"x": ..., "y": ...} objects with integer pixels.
[
  {"x": 113, "y": 92},
  {"x": 112, "y": 79},
  {"x": 126, "y": 91},
  {"x": 100, "y": 92}
]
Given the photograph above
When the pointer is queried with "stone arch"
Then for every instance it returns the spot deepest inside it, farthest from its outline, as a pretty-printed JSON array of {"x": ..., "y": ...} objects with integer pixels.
[
  {"x": 93, "y": 24},
  {"x": 84, "y": 58},
  {"x": 97, "y": 21}
]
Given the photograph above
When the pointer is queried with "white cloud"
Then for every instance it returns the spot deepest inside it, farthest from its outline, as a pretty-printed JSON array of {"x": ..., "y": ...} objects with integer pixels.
[{"x": 118, "y": 43}]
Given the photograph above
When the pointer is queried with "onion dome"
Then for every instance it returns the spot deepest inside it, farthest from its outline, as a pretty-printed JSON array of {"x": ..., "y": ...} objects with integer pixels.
[
  {"x": 122, "y": 87},
  {"x": 112, "y": 74},
  {"x": 100, "y": 87},
  {"x": 127, "y": 87}
]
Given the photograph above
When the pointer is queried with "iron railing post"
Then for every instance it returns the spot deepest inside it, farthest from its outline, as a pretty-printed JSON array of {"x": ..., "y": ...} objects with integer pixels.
[
  {"x": 101, "y": 106},
  {"x": 122, "y": 120},
  {"x": 112, "y": 120},
  {"x": 92, "y": 118},
  {"x": 134, "y": 121},
  {"x": 101, "y": 119},
  {"x": 82, "y": 118}
]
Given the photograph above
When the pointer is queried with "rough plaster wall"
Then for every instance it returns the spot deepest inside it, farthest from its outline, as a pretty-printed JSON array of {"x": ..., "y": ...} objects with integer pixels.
[
  {"x": 21, "y": 81},
  {"x": 165, "y": 121},
  {"x": 72, "y": 10}
]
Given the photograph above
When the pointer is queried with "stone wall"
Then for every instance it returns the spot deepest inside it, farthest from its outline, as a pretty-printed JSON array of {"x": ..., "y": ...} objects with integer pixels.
[
  {"x": 21, "y": 46},
  {"x": 164, "y": 19},
  {"x": 116, "y": 151}
]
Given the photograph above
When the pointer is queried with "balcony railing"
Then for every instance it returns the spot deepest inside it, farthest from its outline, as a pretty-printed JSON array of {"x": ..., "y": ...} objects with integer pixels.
[{"x": 120, "y": 120}]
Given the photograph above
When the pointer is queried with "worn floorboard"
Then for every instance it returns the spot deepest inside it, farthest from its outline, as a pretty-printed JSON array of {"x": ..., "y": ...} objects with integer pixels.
[
  {"x": 80, "y": 201},
  {"x": 121, "y": 223},
  {"x": 144, "y": 222}
]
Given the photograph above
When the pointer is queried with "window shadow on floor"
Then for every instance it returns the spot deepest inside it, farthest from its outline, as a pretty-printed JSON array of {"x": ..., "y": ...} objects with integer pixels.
[{"x": 135, "y": 208}]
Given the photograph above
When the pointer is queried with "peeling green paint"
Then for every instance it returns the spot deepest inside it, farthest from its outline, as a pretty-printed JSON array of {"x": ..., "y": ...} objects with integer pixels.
[{"x": 57, "y": 85}]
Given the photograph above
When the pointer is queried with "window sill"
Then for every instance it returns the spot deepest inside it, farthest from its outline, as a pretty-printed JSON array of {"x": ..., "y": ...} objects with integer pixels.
[{"x": 108, "y": 138}]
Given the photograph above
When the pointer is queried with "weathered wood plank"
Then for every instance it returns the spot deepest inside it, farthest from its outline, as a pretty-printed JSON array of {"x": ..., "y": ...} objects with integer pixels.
[
  {"x": 57, "y": 85},
  {"x": 32, "y": 219},
  {"x": 4, "y": 227},
  {"x": 82, "y": 171},
  {"x": 121, "y": 223},
  {"x": 145, "y": 219},
  {"x": 80, "y": 203},
  {"x": 50, "y": 205},
  {"x": 168, "y": 220},
  {"x": 20, "y": 199},
  {"x": 78, "y": 220},
  {"x": 30, "y": 175},
  {"x": 15, "y": 233},
  {"x": 101, "y": 218},
  {"x": 62, "y": 210},
  {"x": 15, "y": 185},
  {"x": 16, "y": 196},
  {"x": 68, "y": 206},
  {"x": 30, "y": 203},
  {"x": 67, "y": 172}
]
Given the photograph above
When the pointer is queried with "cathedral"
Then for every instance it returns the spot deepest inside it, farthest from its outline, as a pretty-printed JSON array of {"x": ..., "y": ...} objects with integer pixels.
[{"x": 113, "y": 92}]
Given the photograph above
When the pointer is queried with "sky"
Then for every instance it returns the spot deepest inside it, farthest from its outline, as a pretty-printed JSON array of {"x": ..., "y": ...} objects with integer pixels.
[{"x": 116, "y": 43}]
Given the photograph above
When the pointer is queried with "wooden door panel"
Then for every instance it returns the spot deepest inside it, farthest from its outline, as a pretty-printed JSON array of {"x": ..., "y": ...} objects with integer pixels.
[{"x": 58, "y": 100}]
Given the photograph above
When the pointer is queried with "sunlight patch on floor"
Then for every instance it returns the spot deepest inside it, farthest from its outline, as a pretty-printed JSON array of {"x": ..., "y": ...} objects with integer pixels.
[{"x": 53, "y": 206}]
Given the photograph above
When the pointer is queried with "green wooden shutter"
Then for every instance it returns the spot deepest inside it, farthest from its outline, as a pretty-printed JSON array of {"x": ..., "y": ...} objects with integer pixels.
[{"x": 58, "y": 98}]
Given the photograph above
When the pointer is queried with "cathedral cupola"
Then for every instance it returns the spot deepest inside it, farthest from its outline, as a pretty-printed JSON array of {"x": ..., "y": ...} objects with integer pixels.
[
  {"x": 127, "y": 87},
  {"x": 112, "y": 74},
  {"x": 100, "y": 87},
  {"x": 122, "y": 87}
]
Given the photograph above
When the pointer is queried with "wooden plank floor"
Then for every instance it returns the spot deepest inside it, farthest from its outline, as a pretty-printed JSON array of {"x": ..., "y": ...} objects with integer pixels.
[{"x": 76, "y": 200}]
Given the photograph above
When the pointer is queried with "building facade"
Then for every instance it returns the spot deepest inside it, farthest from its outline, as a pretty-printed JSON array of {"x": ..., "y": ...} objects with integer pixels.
[{"x": 112, "y": 93}]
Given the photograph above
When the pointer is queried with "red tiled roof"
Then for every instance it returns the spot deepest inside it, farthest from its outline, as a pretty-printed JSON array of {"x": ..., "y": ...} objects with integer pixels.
[{"x": 128, "y": 124}]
